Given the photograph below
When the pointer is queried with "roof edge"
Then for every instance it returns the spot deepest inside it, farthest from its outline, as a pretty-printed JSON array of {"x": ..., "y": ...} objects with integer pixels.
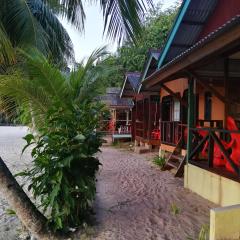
[{"x": 173, "y": 32}]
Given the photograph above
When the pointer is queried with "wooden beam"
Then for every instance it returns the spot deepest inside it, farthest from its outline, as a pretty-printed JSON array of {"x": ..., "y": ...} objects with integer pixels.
[
  {"x": 149, "y": 118},
  {"x": 225, "y": 152},
  {"x": 210, "y": 151},
  {"x": 174, "y": 94},
  {"x": 226, "y": 87},
  {"x": 198, "y": 148},
  {"x": 208, "y": 87}
]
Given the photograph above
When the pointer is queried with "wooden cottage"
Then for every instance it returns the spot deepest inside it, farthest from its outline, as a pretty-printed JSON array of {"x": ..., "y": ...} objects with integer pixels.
[
  {"x": 119, "y": 123},
  {"x": 198, "y": 78},
  {"x": 146, "y": 110}
]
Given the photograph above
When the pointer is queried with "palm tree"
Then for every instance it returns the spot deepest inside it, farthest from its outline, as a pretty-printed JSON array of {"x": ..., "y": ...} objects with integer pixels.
[
  {"x": 44, "y": 84},
  {"x": 34, "y": 22},
  {"x": 25, "y": 23},
  {"x": 31, "y": 23}
]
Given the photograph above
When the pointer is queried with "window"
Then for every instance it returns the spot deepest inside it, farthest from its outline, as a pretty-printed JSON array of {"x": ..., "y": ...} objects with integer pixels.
[{"x": 176, "y": 110}]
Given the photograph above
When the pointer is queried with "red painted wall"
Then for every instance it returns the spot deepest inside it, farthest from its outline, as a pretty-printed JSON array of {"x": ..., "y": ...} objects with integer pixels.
[{"x": 224, "y": 11}]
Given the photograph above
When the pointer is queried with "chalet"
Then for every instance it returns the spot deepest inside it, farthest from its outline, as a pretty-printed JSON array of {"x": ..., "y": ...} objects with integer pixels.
[
  {"x": 146, "y": 111},
  {"x": 119, "y": 123},
  {"x": 198, "y": 78}
]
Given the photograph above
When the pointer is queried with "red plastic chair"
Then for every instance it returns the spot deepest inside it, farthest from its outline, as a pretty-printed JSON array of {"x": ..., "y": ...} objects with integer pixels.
[
  {"x": 111, "y": 126},
  {"x": 155, "y": 134},
  {"x": 234, "y": 144}
]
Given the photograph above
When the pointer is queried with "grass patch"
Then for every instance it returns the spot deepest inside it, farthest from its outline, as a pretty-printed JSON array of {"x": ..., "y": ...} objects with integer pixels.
[
  {"x": 174, "y": 209},
  {"x": 160, "y": 160},
  {"x": 203, "y": 234}
]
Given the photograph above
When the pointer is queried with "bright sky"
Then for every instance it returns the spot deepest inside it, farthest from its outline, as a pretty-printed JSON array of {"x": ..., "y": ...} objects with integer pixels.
[{"x": 92, "y": 38}]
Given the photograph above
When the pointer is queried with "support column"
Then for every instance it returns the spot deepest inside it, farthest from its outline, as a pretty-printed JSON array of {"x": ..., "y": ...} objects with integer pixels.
[
  {"x": 226, "y": 87},
  {"x": 191, "y": 107},
  {"x": 127, "y": 117}
]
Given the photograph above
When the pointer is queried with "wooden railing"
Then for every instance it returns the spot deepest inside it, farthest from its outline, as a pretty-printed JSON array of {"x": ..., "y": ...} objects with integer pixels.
[
  {"x": 210, "y": 145},
  {"x": 119, "y": 127},
  {"x": 210, "y": 123},
  {"x": 171, "y": 132}
]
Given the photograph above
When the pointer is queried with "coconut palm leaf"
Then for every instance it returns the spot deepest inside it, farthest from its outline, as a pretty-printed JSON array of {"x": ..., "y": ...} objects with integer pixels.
[
  {"x": 122, "y": 18},
  {"x": 32, "y": 23},
  {"x": 59, "y": 42},
  {"x": 43, "y": 84},
  {"x": 21, "y": 26},
  {"x": 7, "y": 53}
]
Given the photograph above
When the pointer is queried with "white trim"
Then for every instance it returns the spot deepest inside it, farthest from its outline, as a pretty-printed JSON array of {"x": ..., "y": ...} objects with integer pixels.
[{"x": 123, "y": 86}]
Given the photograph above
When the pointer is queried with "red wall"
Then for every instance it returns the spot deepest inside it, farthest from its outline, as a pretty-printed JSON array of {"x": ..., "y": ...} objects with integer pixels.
[{"x": 224, "y": 11}]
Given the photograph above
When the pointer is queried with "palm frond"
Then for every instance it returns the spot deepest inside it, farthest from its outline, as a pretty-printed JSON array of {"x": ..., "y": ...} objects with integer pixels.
[
  {"x": 122, "y": 18},
  {"x": 21, "y": 26},
  {"x": 73, "y": 10},
  {"x": 32, "y": 23},
  {"x": 85, "y": 75},
  {"x": 59, "y": 42},
  {"x": 7, "y": 53}
]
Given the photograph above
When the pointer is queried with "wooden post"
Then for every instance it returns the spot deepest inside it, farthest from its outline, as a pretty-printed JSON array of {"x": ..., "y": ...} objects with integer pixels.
[
  {"x": 127, "y": 117},
  {"x": 149, "y": 118},
  {"x": 226, "y": 87},
  {"x": 191, "y": 111},
  {"x": 136, "y": 118},
  {"x": 210, "y": 151}
]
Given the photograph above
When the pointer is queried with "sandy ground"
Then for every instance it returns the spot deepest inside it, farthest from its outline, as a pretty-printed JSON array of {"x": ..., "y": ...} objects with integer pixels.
[
  {"x": 134, "y": 200},
  {"x": 134, "y": 197},
  {"x": 11, "y": 144}
]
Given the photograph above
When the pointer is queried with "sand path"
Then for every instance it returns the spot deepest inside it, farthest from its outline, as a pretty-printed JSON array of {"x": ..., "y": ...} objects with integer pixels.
[
  {"x": 133, "y": 196},
  {"x": 11, "y": 144},
  {"x": 134, "y": 201}
]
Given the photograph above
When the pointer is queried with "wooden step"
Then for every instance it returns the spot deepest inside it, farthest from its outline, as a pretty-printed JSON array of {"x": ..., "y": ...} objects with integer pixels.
[
  {"x": 177, "y": 157},
  {"x": 176, "y": 161},
  {"x": 173, "y": 164},
  {"x": 141, "y": 150}
]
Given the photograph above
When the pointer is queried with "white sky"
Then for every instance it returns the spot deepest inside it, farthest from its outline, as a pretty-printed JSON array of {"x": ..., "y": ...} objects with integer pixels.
[{"x": 92, "y": 38}]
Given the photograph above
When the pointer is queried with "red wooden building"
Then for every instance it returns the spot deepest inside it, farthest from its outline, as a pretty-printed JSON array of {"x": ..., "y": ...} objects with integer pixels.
[
  {"x": 198, "y": 80},
  {"x": 146, "y": 110},
  {"x": 119, "y": 123}
]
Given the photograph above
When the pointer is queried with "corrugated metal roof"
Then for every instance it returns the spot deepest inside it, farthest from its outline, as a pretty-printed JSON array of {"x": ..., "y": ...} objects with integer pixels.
[
  {"x": 153, "y": 54},
  {"x": 196, "y": 15},
  {"x": 221, "y": 30},
  {"x": 134, "y": 79},
  {"x": 112, "y": 99},
  {"x": 113, "y": 90}
]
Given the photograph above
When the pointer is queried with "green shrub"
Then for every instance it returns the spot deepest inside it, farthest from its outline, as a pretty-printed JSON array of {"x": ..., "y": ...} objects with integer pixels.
[
  {"x": 160, "y": 160},
  {"x": 64, "y": 166}
]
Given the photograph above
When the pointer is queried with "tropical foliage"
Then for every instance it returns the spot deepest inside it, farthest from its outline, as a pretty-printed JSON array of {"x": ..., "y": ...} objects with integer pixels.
[
  {"x": 66, "y": 115},
  {"x": 34, "y": 23},
  {"x": 131, "y": 56},
  {"x": 61, "y": 107}
]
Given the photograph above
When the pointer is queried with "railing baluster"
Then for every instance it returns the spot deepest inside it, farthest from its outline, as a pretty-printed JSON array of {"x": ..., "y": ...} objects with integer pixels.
[{"x": 210, "y": 151}]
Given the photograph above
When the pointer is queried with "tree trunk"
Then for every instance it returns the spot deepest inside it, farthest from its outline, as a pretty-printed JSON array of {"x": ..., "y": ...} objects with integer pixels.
[{"x": 26, "y": 211}]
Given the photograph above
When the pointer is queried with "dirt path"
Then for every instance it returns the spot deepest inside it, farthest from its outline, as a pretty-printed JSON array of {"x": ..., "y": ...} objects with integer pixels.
[{"x": 134, "y": 200}]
